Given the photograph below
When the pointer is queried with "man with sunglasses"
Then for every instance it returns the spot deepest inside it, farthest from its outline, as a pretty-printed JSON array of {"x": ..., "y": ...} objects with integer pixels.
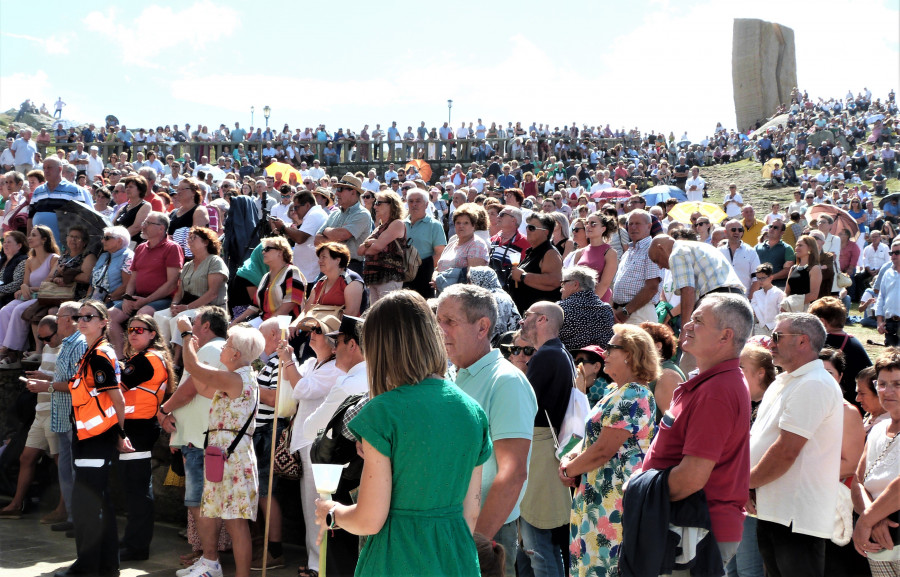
[
  {"x": 795, "y": 452},
  {"x": 350, "y": 223},
  {"x": 887, "y": 306},
  {"x": 776, "y": 252},
  {"x": 742, "y": 256},
  {"x": 547, "y": 503}
]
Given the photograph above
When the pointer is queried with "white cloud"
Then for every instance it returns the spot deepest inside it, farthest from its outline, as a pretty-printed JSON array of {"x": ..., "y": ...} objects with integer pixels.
[
  {"x": 19, "y": 87},
  {"x": 54, "y": 45},
  {"x": 158, "y": 29}
]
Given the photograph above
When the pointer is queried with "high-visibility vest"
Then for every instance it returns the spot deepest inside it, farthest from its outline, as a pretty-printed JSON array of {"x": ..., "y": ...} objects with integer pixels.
[
  {"x": 142, "y": 401},
  {"x": 94, "y": 410}
]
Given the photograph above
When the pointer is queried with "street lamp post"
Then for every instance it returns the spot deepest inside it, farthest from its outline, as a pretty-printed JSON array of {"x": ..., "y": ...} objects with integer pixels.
[
  {"x": 449, "y": 107},
  {"x": 252, "y": 110},
  {"x": 267, "y": 112}
]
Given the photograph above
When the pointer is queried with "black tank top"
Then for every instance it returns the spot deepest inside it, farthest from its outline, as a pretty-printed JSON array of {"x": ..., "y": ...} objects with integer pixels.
[{"x": 126, "y": 219}]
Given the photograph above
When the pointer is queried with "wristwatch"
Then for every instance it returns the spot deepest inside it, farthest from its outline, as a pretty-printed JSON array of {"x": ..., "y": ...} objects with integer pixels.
[
  {"x": 625, "y": 312},
  {"x": 522, "y": 278},
  {"x": 330, "y": 521}
]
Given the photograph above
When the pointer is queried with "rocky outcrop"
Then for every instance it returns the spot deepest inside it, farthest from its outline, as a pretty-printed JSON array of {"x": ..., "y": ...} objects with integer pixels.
[{"x": 763, "y": 69}]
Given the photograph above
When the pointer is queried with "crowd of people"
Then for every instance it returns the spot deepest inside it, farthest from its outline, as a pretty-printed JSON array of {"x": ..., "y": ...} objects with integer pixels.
[{"x": 438, "y": 338}]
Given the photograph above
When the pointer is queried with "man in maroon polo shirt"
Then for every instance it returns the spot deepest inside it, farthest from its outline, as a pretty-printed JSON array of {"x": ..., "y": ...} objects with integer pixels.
[
  {"x": 155, "y": 269},
  {"x": 705, "y": 434}
]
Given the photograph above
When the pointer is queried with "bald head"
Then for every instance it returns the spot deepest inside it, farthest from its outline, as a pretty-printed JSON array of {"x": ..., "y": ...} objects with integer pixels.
[
  {"x": 553, "y": 312},
  {"x": 660, "y": 250}
]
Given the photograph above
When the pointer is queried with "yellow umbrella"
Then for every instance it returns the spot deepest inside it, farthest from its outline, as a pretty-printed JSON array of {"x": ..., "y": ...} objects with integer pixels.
[
  {"x": 769, "y": 166},
  {"x": 285, "y": 169},
  {"x": 683, "y": 210}
]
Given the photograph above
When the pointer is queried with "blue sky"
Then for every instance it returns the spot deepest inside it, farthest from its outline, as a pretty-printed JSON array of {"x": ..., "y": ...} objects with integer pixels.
[{"x": 657, "y": 64}]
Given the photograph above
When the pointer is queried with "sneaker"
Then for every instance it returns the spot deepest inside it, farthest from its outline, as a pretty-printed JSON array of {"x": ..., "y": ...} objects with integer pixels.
[
  {"x": 271, "y": 562},
  {"x": 200, "y": 569}
]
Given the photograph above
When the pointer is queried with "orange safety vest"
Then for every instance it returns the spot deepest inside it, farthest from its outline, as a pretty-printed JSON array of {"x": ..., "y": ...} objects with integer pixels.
[
  {"x": 142, "y": 402},
  {"x": 94, "y": 410}
]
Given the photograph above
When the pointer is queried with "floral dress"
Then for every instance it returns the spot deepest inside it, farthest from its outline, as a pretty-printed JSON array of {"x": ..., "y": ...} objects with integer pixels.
[
  {"x": 596, "y": 522},
  {"x": 236, "y": 496}
]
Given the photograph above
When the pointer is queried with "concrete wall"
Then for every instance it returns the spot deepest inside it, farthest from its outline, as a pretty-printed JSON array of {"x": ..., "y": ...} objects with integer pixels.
[{"x": 763, "y": 68}]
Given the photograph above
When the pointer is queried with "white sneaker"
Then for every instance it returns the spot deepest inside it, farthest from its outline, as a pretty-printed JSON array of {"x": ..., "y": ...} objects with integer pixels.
[
  {"x": 199, "y": 569},
  {"x": 202, "y": 569}
]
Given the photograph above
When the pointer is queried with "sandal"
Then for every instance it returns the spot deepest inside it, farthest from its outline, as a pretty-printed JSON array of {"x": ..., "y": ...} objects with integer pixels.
[{"x": 306, "y": 572}]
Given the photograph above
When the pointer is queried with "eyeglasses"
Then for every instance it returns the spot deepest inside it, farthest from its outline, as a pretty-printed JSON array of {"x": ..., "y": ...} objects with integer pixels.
[
  {"x": 577, "y": 228},
  {"x": 563, "y": 283},
  {"x": 776, "y": 336},
  {"x": 736, "y": 229},
  {"x": 318, "y": 330},
  {"x": 48, "y": 338},
  {"x": 368, "y": 196},
  {"x": 105, "y": 237},
  {"x": 532, "y": 228},
  {"x": 701, "y": 224},
  {"x": 138, "y": 330},
  {"x": 147, "y": 223},
  {"x": 884, "y": 385},
  {"x": 895, "y": 252},
  {"x": 593, "y": 224},
  {"x": 380, "y": 202},
  {"x": 612, "y": 347},
  {"x": 268, "y": 248},
  {"x": 527, "y": 351},
  {"x": 85, "y": 318}
]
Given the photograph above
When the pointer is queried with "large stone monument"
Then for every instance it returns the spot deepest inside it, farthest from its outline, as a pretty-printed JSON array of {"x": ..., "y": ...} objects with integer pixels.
[{"x": 763, "y": 69}]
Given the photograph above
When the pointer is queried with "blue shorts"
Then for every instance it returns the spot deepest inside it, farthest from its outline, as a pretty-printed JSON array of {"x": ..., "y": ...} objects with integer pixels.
[
  {"x": 262, "y": 445},
  {"x": 155, "y": 305},
  {"x": 193, "y": 475}
]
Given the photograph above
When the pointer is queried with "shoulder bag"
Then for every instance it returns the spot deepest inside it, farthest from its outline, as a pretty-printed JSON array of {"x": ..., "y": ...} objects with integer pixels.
[
  {"x": 286, "y": 464},
  {"x": 411, "y": 259},
  {"x": 330, "y": 446},
  {"x": 214, "y": 457}
]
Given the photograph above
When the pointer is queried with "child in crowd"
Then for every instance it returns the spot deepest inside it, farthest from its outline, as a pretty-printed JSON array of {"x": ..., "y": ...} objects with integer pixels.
[
  {"x": 766, "y": 301},
  {"x": 491, "y": 556}
]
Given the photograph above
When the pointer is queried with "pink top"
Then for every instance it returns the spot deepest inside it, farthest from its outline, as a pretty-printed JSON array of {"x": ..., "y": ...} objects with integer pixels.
[{"x": 595, "y": 257}]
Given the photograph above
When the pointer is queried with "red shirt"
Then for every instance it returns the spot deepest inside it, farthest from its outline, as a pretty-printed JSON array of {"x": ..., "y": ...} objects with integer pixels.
[
  {"x": 155, "y": 201},
  {"x": 150, "y": 266},
  {"x": 710, "y": 418}
]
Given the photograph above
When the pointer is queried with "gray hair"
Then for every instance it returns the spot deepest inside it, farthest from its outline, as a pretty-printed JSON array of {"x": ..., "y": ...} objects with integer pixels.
[
  {"x": 68, "y": 308},
  {"x": 806, "y": 324},
  {"x": 733, "y": 312},
  {"x": 149, "y": 173},
  {"x": 563, "y": 223},
  {"x": 640, "y": 212},
  {"x": 515, "y": 212},
  {"x": 161, "y": 217},
  {"x": 119, "y": 232},
  {"x": 586, "y": 277},
  {"x": 477, "y": 302},
  {"x": 267, "y": 325},
  {"x": 247, "y": 341},
  {"x": 418, "y": 191}
]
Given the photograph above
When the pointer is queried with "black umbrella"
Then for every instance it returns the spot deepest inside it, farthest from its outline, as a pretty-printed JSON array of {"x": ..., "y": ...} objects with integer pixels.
[
  {"x": 72, "y": 213},
  {"x": 893, "y": 197}
]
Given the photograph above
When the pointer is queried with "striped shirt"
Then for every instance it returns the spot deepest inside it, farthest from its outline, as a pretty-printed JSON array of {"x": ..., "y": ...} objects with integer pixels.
[
  {"x": 265, "y": 379},
  {"x": 71, "y": 350}
]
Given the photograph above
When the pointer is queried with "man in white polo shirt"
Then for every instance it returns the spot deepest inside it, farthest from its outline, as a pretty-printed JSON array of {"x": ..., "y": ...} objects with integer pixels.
[{"x": 795, "y": 452}]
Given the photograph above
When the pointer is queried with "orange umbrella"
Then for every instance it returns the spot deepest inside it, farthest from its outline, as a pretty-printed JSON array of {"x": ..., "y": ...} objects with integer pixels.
[
  {"x": 285, "y": 169},
  {"x": 422, "y": 167}
]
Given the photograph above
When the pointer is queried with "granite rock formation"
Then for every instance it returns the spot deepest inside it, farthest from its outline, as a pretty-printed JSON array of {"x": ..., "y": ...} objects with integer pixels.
[{"x": 763, "y": 69}]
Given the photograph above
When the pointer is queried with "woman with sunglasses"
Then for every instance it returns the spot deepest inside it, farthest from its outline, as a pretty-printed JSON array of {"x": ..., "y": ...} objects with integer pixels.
[
  {"x": 146, "y": 377},
  {"x": 618, "y": 433},
  {"x": 312, "y": 380},
  {"x": 519, "y": 352},
  {"x": 703, "y": 228},
  {"x": 384, "y": 270},
  {"x": 597, "y": 254},
  {"x": 281, "y": 290},
  {"x": 98, "y": 406},
  {"x": 579, "y": 237}
]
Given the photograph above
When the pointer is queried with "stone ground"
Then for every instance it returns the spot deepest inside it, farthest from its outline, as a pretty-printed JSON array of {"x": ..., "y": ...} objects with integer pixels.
[{"x": 29, "y": 549}]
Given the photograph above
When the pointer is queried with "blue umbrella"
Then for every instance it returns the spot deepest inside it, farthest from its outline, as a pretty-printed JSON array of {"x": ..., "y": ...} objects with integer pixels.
[{"x": 662, "y": 193}]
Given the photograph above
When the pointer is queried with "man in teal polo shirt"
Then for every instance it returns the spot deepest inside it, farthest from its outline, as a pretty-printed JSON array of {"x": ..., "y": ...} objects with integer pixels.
[
  {"x": 427, "y": 235},
  {"x": 467, "y": 315},
  {"x": 350, "y": 224}
]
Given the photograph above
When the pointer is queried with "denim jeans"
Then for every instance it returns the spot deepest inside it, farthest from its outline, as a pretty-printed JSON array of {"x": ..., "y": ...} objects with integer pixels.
[
  {"x": 66, "y": 469},
  {"x": 747, "y": 562},
  {"x": 545, "y": 556}
]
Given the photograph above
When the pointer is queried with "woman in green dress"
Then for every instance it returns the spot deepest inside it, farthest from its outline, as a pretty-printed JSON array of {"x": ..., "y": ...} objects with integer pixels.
[
  {"x": 423, "y": 441},
  {"x": 618, "y": 433}
]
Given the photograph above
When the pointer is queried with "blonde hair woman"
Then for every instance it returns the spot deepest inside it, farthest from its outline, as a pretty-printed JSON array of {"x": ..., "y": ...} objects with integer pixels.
[{"x": 416, "y": 487}]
